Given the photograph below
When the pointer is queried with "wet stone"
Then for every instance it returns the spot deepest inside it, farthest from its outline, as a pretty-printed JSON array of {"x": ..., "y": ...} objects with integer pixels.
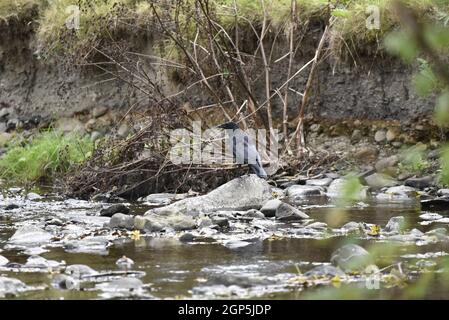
[
  {"x": 3, "y": 261},
  {"x": 10, "y": 287},
  {"x": 351, "y": 227},
  {"x": 419, "y": 183},
  {"x": 380, "y": 180},
  {"x": 351, "y": 257},
  {"x": 187, "y": 237},
  {"x": 324, "y": 271},
  {"x": 11, "y": 206},
  {"x": 270, "y": 207},
  {"x": 395, "y": 224},
  {"x": 131, "y": 285},
  {"x": 336, "y": 190},
  {"x": 124, "y": 263},
  {"x": 116, "y": 208},
  {"x": 443, "y": 192},
  {"x": 319, "y": 182},
  {"x": 30, "y": 236},
  {"x": 65, "y": 282},
  {"x": 398, "y": 193},
  {"x": 286, "y": 212},
  {"x": 303, "y": 191},
  {"x": 431, "y": 216},
  {"x": 79, "y": 270},
  {"x": 120, "y": 220}
]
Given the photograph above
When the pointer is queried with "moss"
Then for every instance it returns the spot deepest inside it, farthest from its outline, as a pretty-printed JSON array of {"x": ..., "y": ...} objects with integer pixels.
[{"x": 44, "y": 156}]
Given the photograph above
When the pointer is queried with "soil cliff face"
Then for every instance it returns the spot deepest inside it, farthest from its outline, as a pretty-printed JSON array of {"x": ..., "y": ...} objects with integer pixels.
[{"x": 370, "y": 87}]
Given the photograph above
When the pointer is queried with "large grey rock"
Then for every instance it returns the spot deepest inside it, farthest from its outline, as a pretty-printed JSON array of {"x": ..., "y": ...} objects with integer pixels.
[
  {"x": 395, "y": 224},
  {"x": 270, "y": 207},
  {"x": 122, "y": 285},
  {"x": 30, "y": 236},
  {"x": 120, "y": 220},
  {"x": 351, "y": 257},
  {"x": 380, "y": 180},
  {"x": 243, "y": 193},
  {"x": 286, "y": 212}
]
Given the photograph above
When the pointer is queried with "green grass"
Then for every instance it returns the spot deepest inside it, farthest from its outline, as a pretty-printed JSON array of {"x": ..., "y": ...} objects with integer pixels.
[
  {"x": 47, "y": 154},
  {"x": 106, "y": 20}
]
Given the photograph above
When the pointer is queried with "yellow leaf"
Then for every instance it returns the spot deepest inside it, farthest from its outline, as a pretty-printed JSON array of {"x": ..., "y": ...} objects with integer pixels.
[
  {"x": 135, "y": 235},
  {"x": 374, "y": 230}
]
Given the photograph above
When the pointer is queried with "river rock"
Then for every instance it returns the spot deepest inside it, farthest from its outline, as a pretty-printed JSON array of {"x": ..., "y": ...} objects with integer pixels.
[
  {"x": 79, "y": 271},
  {"x": 386, "y": 163},
  {"x": 127, "y": 284},
  {"x": 155, "y": 223},
  {"x": 41, "y": 263},
  {"x": 420, "y": 183},
  {"x": 351, "y": 257},
  {"x": 392, "y": 134},
  {"x": 10, "y": 287},
  {"x": 270, "y": 207},
  {"x": 398, "y": 193},
  {"x": 367, "y": 154},
  {"x": 380, "y": 136},
  {"x": 286, "y": 212},
  {"x": 324, "y": 271},
  {"x": 438, "y": 204},
  {"x": 65, "y": 282},
  {"x": 115, "y": 208},
  {"x": 30, "y": 236},
  {"x": 335, "y": 190},
  {"x": 395, "y": 225},
  {"x": 303, "y": 191},
  {"x": 68, "y": 125},
  {"x": 99, "y": 111},
  {"x": 120, "y": 220},
  {"x": 124, "y": 263},
  {"x": 3, "y": 261},
  {"x": 11, "y": 206},
  {"x": 319, "y": 182},
  {"x": 443, "y": 192},
  {"x": 380, "y": 180},
  {"x": 430, "y": 216},
  {"x": 91, "y": 244},
  {"x": 351, "y": 226},
  {"x": 243, "y": 193}
]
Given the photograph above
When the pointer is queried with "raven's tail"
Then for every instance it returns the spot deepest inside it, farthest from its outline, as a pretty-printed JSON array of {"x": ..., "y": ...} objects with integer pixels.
[{"x": 259, "y": 171}]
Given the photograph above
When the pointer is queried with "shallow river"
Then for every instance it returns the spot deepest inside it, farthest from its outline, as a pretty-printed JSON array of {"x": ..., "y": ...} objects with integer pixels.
[{"x": 169, "y": 268}]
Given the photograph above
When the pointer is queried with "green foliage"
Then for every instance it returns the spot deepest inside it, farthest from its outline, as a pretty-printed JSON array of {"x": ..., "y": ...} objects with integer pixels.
[
  {"x": 413, "y": 160},
  {"x": 444, "y": 160},
  {"x": 47, "y": 154},
  {"x": 425, "y": 81},
  {"x": 402, "y": 44},
  {"x": 441, "y": 114}
]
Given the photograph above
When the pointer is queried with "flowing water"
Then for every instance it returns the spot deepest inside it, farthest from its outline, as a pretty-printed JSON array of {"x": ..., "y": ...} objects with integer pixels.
[{"x": 169, "y": 268}]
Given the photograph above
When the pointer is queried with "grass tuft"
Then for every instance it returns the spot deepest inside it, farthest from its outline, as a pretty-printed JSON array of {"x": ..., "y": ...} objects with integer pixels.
[{"x": 49, "y": 153}]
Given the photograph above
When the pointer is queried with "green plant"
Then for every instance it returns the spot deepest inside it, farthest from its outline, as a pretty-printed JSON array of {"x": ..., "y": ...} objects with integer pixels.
[{"x": 45, "y": 155}]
